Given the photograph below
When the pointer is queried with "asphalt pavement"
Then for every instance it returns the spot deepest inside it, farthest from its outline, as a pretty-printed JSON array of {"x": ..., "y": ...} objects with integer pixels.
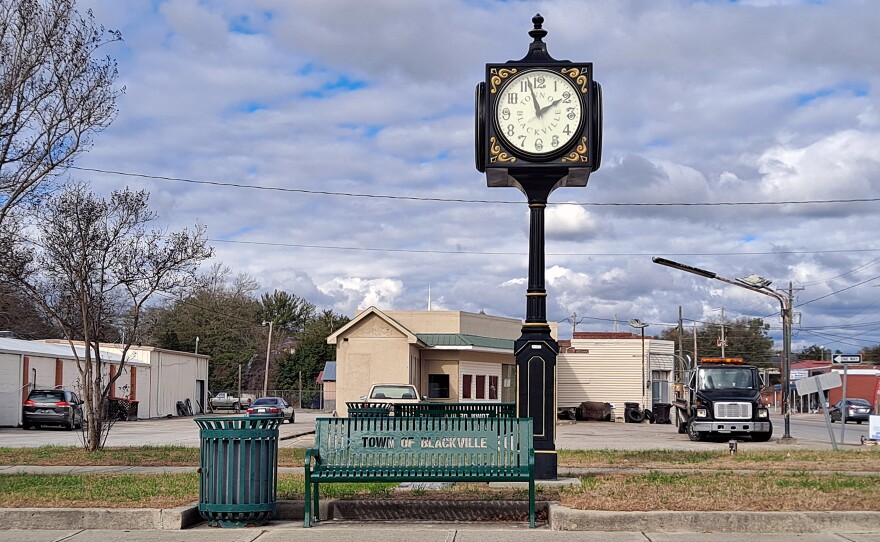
[{"x": 809, "y": 432}]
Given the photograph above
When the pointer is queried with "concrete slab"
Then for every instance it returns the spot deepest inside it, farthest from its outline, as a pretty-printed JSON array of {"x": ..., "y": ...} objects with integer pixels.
[
  {"x": 213, "y": 535},
  {"x": 566, "y": 519},
  {"x": 36, "y": 536}
]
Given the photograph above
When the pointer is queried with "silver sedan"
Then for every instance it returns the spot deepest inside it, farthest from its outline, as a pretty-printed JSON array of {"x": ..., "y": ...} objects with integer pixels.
[{"x": 272, "y": 407}]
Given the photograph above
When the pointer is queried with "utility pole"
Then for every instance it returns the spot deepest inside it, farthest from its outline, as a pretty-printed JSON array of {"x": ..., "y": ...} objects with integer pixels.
[
  {"x": 574, "y": 323},
  {"x": 723, "y": 342}
]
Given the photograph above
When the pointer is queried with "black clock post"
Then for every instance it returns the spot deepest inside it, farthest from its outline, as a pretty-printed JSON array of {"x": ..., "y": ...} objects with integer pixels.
[{"x": 538, "y": 128}]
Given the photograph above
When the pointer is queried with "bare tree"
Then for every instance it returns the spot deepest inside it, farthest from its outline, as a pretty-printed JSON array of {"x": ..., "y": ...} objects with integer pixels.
[
  {"x": 54, "y": 93},
  {"x": 93, "y": 264}
]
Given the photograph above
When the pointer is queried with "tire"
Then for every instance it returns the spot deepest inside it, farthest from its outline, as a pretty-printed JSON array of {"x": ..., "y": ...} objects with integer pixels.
[
  {"x": 682, "y": 428},
  {"x": 635, "y": 416},
  {"x": 236, "y": 407},
  {"x": 695, "y": 436},
  {"x": 763, "y": 436},
  {"x": 859, "y": 422},
  {"x": 26, "y": 426},
  {"x": 71, "y": 425}
]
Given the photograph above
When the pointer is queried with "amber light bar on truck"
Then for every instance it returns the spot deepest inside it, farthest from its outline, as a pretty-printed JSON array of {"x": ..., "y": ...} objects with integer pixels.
[{"x": 722, "y": 360}]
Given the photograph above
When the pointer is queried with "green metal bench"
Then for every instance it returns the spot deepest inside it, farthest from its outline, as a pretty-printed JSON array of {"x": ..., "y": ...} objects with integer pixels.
[
  {"x": 456, "y": 410},
  {"x": 419, "y": 449}
]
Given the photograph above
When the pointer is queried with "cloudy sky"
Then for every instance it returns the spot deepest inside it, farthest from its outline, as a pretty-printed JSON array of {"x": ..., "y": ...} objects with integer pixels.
[{"x": 328, "y": 148}]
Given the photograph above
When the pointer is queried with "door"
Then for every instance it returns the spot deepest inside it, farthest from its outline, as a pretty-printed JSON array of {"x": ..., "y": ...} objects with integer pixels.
[{"x": 200, "y": 395}]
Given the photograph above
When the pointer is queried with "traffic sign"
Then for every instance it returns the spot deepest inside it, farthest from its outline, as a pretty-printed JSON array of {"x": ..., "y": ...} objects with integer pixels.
[{"x": 842, "y": 358}]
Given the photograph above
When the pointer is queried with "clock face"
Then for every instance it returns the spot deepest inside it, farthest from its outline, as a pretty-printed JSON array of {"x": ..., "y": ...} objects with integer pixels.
[{"x": 539, "y": 113}]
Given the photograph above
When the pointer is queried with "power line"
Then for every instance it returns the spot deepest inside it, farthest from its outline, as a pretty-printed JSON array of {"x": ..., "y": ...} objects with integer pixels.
[
  {"x": 462, "y": 200},
  {"x": 518, "y": 254}
]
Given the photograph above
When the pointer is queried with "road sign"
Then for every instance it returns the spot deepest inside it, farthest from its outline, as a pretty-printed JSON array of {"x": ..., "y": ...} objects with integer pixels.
[
  {"x": 824, "y": 381},
  {"x": 842, "y": 358},
  {"x": 798, "y": 374}
]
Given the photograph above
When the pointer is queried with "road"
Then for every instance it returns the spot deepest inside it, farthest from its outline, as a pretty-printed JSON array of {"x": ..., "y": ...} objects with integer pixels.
[{"x": 808, "y": 430}]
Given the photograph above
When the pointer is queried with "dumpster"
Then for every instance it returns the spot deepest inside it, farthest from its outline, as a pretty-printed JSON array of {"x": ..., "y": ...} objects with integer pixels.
[
  {"x": 238, "y": 470},
  {"x": 633, "y": 413},
  {"x": 661, "y": 412}
]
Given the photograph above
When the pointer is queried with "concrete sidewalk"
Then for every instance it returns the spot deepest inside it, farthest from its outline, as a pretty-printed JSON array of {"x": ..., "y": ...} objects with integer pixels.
[{"x": 410, "y": 532}]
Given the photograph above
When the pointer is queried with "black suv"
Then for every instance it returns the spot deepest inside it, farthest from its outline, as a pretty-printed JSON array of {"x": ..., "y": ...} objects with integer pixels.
[{"x": 52, "y": 407}]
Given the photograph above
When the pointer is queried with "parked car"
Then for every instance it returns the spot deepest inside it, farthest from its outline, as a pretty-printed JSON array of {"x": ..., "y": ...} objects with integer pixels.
[
  {"x": 272, "y": 407},
  {"x": 52, "y": 407},
  {"x": 857, "y": 410},
  {"x": 226, "y": 400}
]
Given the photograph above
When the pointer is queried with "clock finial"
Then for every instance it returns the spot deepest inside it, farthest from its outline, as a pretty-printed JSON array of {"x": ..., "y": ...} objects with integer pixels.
[
  {"x": 538, "y": 32},
  {"x": 538, "y": 49}
]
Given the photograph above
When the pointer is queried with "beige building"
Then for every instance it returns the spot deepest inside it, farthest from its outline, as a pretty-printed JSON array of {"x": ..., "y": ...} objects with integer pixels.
[
  {"x": 455, "y": 356},
  {"x": 450, "y": 356},
  {"x": 609, "y": 368}
]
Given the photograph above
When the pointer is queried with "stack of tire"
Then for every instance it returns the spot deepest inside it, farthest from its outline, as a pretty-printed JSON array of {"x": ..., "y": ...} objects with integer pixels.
[{"x": 633, "y": 413}]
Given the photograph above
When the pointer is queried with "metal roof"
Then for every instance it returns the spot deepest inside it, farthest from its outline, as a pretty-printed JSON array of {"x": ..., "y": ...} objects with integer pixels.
[
  {"x": 329, "y": 371},
  {"x": 49, "y": 350},
  {"x": 464, "y": 341}
]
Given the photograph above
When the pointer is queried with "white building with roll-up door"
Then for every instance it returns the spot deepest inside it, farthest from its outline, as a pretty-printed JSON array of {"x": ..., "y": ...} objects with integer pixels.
[
  {"x": 610, "y": 368},
  {"x": 157, "y": 379}
]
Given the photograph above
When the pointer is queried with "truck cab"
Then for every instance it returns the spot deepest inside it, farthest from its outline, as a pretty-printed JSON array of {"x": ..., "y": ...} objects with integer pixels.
[{"x": 723, "y": 396}]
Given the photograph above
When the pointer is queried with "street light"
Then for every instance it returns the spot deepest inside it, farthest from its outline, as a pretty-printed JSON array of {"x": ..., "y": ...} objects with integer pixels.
[
  {"x": 760, "y": 285},
  {"x": 268, "y": 349},
  {"x": 638, "y": 324}
]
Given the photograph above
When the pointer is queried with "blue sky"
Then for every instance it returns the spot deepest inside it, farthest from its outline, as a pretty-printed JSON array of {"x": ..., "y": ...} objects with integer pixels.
[{"x": 355, "y": 118}]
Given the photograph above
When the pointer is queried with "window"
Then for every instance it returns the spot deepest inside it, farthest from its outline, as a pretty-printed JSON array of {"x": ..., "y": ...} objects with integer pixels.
[
  {"x": 438, "y": 386},
  {"x": 481, "y": 387},
  {"x": 466, "y": 386},
  {"x": 493, "y": 387}
]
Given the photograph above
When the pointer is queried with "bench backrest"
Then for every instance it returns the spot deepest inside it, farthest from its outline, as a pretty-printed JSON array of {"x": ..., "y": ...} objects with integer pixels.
[
  {"x": 360, "y": 409},
  {"x": 425, "y": 442},
  {"x": 456, "y": 410}
]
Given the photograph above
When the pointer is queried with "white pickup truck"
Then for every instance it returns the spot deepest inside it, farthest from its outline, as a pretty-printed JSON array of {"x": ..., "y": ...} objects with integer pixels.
[
  {"x": 224, "y": 400},
  {"x": 393, "y": 393}
]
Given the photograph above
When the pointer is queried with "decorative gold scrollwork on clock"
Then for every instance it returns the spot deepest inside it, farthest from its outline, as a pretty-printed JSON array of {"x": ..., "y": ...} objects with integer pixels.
[
  {"x": 579, "y": 154},
  {"x": 497, "y": 155},
  {"x": 576, "y": 74},
  {"x": 498, "y": 76}
]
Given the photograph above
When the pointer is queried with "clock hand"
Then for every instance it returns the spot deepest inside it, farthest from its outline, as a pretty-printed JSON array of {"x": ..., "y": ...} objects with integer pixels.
[
  {"x": 544, "y": 109},
  {"x": 534, "y": 98}
]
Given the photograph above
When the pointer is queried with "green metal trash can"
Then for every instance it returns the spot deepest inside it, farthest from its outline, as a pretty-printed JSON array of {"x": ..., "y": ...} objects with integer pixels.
[{"x": 238, "y": 470}]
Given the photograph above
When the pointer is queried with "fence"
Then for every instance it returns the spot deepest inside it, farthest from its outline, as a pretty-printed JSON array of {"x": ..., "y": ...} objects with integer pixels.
[{"x": 298, "y": 398}]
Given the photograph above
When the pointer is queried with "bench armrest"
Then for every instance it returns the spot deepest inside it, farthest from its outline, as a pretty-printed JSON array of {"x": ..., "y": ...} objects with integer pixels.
[{"x": 312, "y": 453}]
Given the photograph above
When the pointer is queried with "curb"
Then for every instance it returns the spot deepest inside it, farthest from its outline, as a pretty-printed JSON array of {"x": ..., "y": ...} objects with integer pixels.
[
  {"x": 99, "y": 518},
  {"x": 505, "y": 514}
]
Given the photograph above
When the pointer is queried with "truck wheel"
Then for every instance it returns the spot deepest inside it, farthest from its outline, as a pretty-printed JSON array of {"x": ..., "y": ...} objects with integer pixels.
[
  {"x": 693, "y": 434},
  {"x": 236, "y": 407},
  {"x": 682, "y": 428}
]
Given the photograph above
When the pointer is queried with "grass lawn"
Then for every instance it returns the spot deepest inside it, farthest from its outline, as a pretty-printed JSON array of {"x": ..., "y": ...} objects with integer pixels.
[{"x": 785, "y": 480}]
